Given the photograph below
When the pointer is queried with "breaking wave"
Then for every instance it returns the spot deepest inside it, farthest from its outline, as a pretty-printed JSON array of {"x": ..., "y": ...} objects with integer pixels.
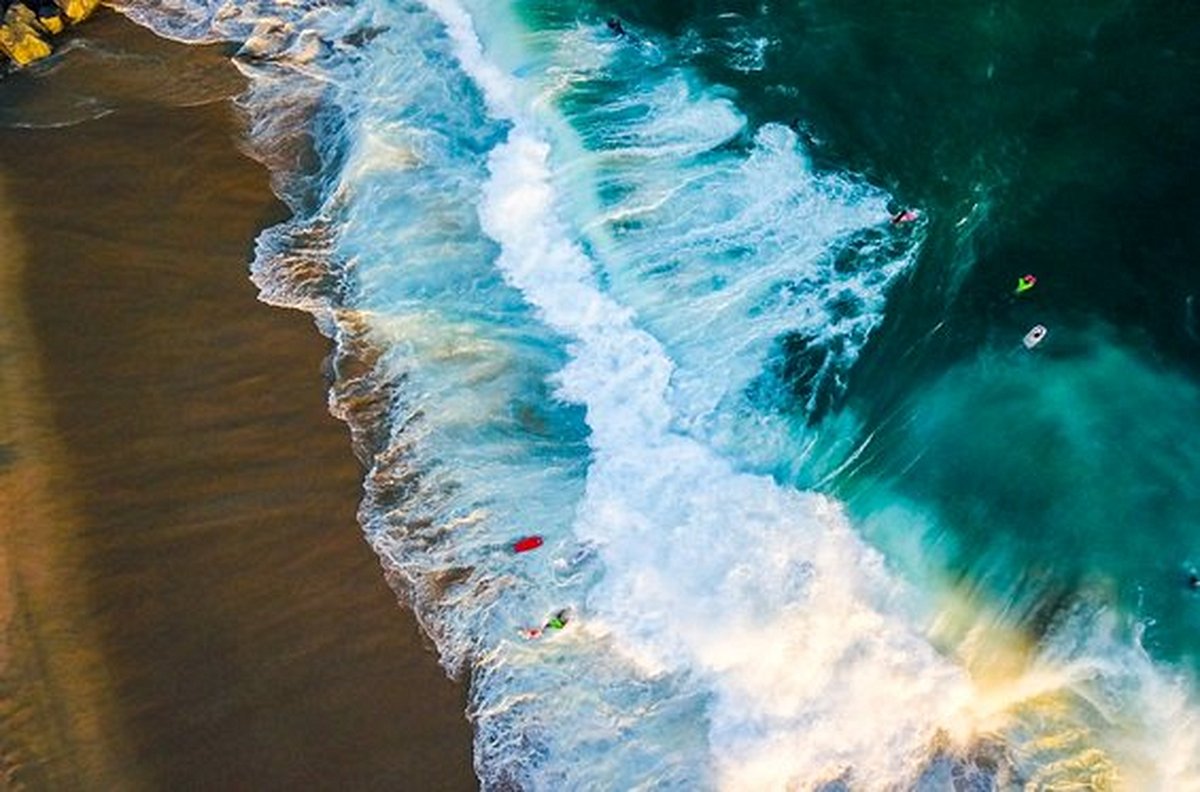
[{"x": 573, "y": 294}]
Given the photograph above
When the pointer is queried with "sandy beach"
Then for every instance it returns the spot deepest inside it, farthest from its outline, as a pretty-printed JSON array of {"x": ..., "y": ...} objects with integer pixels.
[{"x": 185, "y": 597}]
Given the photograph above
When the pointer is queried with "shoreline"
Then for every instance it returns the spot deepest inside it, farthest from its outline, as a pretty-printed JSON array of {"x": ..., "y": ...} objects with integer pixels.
[{"x": 243, "y": 632}]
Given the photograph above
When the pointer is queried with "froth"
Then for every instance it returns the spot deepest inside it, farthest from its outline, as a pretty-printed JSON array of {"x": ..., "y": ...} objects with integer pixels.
[
  {"x": 761, "y": 595},
  {"x": 725, "y": 631}
]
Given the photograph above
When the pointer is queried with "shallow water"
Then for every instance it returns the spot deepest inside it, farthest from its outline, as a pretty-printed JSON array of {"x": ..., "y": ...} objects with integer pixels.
[{"x": 187, "y": 600}]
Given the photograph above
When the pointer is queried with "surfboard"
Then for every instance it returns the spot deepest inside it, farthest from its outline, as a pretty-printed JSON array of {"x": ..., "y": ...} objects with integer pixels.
[{"x": 527, "y": 543}]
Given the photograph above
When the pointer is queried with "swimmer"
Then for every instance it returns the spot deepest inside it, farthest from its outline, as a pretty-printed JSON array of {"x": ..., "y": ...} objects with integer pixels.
[{"x": 556, "y": 622}]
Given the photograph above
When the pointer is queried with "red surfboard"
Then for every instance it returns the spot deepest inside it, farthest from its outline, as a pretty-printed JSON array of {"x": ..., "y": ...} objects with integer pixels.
[{"x": 527, "y": 543}]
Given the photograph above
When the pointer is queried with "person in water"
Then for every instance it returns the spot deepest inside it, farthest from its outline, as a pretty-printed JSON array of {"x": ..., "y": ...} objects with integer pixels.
[
  {"x": 614, "y": 24},
  {"x": 555, "y": 622}
]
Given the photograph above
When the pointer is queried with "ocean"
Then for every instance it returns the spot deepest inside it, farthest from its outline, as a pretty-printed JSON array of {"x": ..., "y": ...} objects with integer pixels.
[{"x": 624, "y": 276}]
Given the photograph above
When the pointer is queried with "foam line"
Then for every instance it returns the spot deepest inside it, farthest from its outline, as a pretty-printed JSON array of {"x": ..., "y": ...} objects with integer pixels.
[{"x": 719, "y": 574}]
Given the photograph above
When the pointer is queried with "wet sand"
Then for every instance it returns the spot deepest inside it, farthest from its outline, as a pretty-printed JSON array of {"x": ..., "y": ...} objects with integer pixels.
[{"x": 185, "y": 598}]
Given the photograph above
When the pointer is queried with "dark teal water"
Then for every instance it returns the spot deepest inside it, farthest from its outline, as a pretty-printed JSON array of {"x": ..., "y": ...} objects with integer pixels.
[
  {"x": 1054, "y": 139},
  {"x": 606, "y": 293}
]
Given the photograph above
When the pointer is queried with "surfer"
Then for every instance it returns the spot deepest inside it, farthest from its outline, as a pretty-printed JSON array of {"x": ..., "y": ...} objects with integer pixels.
[
  {"x": 614, "y": 24},
  {"x": 1034, "y": 336},
  {"x": 555, "y": 622},
  {"x": 904, "y": 216}
]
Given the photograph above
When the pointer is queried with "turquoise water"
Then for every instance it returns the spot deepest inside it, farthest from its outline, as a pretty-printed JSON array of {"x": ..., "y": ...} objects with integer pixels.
[
  {"x": 1053, "y": 140},
  {"x": 816, "y": 515}
]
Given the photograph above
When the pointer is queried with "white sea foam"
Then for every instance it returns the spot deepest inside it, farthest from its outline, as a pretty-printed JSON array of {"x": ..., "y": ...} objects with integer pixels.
[
  {"x": 723, "y": 242},
  {"x": 724, "y": 631},
  {"x": 762, "y": 596}
]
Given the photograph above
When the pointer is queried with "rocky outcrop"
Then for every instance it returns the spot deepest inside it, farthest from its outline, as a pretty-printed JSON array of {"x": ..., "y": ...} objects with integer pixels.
[{"x": 26, "y": 25}]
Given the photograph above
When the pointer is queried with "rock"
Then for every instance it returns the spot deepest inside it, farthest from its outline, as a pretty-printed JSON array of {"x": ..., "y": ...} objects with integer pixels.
[
  {"x": 49, "y": 15},
  {"x": 25, "y": 25},
  {"x": 21, "y": 35},
  {"x": 77, "y": 10}
]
